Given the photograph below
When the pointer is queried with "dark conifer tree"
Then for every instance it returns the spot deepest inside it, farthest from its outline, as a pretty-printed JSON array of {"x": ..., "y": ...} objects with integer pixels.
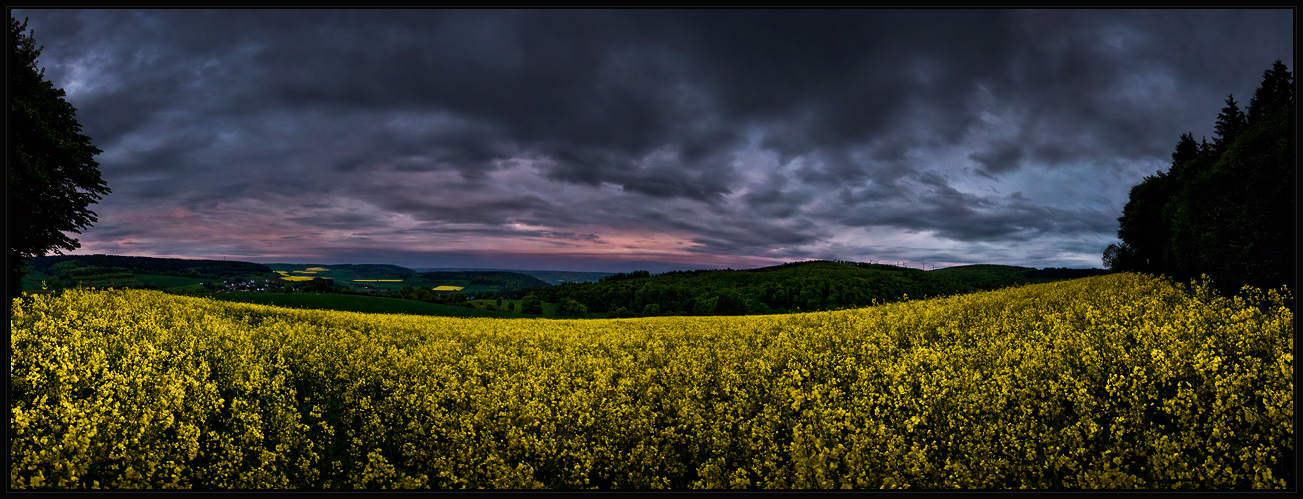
[
  {"x": 1230, "y": 122},
  {"x": 1142, "y": 227},
  {"x": 1225, "y": 210},
  {"x": 1276, "y": 91},
  {"x": 1186, "y": 151}
]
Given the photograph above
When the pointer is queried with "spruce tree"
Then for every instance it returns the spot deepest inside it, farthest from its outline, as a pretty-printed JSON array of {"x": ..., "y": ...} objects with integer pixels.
[
  {"x": 1276, "y": 92},
  {"x": 1230, "y": 122},
  {"x": 1186, "y": 151},
  {"x": 1227, "y": 209}
]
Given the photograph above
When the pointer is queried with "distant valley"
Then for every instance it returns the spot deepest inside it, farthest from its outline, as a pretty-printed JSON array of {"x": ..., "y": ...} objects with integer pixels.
[{"x": 793, "y": 287}]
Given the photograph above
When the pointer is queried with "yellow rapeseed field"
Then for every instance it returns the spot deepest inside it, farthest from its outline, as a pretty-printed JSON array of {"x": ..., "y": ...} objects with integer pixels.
[
  {"x": 448, "y": 288},
  {"x": 1117, "y": 381}
]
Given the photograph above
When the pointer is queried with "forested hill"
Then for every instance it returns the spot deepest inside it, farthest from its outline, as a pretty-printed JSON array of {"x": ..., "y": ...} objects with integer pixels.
[
  {"x": 990, "y": 277},
  {"x": 800, "y": 286},
  {"x": 95, "y": 264}
]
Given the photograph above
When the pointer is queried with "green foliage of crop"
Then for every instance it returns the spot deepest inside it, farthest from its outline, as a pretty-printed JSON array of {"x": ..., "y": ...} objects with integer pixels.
[{"x": 1121, "y": 381}]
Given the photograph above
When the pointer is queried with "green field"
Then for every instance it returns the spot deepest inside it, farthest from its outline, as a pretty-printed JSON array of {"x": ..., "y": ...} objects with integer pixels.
[
  {"x": 174, "y": 284},
  {"x": 391, "y": 277},
  {"x": 359, "y": 303},
  {"x": 344, "y": 274},
  {"x": 549, "y": 309}
]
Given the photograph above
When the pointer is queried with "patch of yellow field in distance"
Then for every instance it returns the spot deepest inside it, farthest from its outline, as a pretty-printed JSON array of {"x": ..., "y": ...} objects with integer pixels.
[
  {"x": 448, "y": 288},
  {"x": 296, "y": 278},
  {"x": 316, "y": 269}
]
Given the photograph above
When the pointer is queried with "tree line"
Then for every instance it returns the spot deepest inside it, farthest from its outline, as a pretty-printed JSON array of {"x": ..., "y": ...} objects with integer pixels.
[
  {"x": 1224, "y": 208},
  {"x": 801, "y": 286},
  {"x": 97, "y": 264}
]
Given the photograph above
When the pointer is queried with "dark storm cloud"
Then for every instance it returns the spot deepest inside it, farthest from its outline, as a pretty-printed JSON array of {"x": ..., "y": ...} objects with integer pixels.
[
  {"x": 488, "y": 212},
  {"x": 1000, "y": 158},
  {"x": 774, "y": 134},
  {"x": 840, "y": 77},
  {"x": 758, "y": 238},
  {"x": 596, "y": 99},
  {"x": 938, "y": 207},
  {"x": 773, "y": 199}
]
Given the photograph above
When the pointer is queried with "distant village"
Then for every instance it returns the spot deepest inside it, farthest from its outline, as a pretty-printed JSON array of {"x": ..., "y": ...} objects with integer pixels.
[
  {"x": 276, "y": 284},
  {"x": 251, "y": 285}
]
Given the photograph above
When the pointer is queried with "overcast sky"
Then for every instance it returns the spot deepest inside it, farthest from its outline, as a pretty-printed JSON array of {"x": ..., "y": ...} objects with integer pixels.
[{"x": 623, "y": 140}]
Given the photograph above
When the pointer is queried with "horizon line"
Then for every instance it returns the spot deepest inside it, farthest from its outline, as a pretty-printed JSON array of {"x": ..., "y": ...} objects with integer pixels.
[{"x": 893, "y": 263}]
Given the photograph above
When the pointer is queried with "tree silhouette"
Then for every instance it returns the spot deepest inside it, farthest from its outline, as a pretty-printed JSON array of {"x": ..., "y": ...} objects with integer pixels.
[
  {"x": 530, "y": 304},
  {"x": 1225, "y": 210},
  {"x": 1186, "y": 150},
  {"x": 1142, "y": 226},
  {"x": 1230, "y": 122},
  {"x": 1111, "y": 255},
  {"x": 1276, "y": 92},
  {"x": 572, "y": 308},
  {"x": 1205, "y": 147},
  {"x": 53, "y": 175}
]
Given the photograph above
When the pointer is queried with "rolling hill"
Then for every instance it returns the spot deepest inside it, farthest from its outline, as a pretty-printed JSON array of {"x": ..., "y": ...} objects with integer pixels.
[{"x": 797, "y": 286}]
